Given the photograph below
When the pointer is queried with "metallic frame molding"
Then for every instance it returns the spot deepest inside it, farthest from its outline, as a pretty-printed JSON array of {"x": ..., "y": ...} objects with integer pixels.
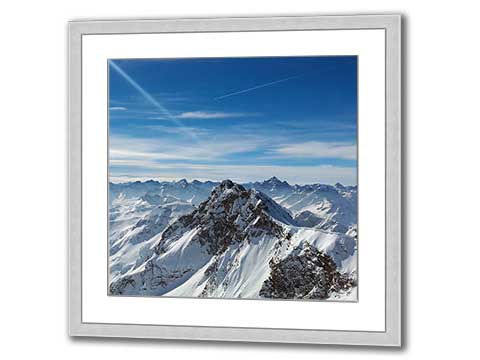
[{"x": 391, "y": 24}]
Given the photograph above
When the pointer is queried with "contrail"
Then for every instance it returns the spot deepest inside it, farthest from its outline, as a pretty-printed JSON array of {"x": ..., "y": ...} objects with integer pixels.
[
  {"x": 256, "y": 87},
  {"x": 152, "y": 100}
]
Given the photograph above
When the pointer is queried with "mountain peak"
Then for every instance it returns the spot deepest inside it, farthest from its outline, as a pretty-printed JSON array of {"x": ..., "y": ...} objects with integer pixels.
[
  {"x": 339, "y": 186},
  {"x": 275, "y": 182},
  {"x": 182, "y": 182},
  {"x": 230, "y": 215},
  {"x": 228, "y": 185}
]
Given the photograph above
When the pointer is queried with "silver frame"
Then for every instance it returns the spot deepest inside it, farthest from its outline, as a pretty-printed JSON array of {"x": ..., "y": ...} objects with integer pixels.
[{"x": 392, "y": 25}]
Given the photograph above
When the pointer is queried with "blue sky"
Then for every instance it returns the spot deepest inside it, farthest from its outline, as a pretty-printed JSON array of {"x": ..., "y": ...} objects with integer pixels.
[{"x": 245, "y": 119}]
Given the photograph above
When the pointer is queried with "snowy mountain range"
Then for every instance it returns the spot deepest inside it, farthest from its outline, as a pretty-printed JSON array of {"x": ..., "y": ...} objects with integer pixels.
[{"x": 264, "y": 239}]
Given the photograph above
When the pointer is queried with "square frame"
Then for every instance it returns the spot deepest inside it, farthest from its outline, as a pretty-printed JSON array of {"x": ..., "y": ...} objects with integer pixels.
[{"x": 391, "y": 24}]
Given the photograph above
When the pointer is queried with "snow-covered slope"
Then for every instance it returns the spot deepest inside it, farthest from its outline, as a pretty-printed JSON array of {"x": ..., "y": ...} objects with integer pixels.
[
  {"x": 237, "y": 243},
  {"x": 133, "y": 232},
  {"x": 332, "y": 208},
  {"x": 192, "y": 192}
]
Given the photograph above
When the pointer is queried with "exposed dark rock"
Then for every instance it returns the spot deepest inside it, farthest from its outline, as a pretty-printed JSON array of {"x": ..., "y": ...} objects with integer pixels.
[
  {"x": 305, "y": 274},
  {"x": 230, "y": 215},
  {"x": 152, "y": 277},
  {"x": 118, "y": 287}
]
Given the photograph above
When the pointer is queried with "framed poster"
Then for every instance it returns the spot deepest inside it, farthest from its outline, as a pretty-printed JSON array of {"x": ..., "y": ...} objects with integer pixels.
[{"x": 236, "y": 179}]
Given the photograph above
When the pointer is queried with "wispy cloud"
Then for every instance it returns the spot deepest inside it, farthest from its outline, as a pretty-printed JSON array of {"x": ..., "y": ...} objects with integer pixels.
[
  {"x": 208, "y": 115},
  {"x": 128, "y": 148},
  {"x": 118, "y": 108},
  {"x": 256, "y": 87},
  {"x": 124, "y": 156},
  {"x": 202, "y": 115},
  {"x": 316, "y": 149}
]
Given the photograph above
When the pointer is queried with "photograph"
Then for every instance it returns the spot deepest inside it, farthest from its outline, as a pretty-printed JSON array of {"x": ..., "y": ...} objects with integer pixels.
[{"x": 233, "y": 178}]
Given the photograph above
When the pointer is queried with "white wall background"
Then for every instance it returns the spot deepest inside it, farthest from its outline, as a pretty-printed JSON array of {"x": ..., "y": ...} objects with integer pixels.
[{"x": 441, "y": 131}]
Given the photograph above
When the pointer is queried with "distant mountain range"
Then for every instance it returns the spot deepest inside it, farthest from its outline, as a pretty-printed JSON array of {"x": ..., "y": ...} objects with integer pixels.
[{"x": 264, "y": 239}]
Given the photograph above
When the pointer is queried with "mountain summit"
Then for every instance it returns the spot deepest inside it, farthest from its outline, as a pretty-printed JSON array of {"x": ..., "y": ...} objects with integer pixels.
[{"x": 230, "y": 215}]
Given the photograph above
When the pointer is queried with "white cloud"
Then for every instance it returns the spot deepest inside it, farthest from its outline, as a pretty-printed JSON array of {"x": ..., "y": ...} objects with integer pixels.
[
  {"x": 125, "y": 148},
  {"x": 166, "y": 159},
  {"x": 208, "y": 115},
  {"x": 118, "y": 108},
  {"x": 201, "y": 115},
  {"x": 316, "y": 149},
  {"x": 125, "y": 155}
]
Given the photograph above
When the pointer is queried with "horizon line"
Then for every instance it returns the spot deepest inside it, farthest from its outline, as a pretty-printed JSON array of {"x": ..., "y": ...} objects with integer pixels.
[{"x": 219, "y": 181}]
